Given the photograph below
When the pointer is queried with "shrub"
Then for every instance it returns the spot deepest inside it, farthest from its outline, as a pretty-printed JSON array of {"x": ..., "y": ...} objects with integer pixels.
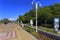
[{"x": 29, "y": 29}]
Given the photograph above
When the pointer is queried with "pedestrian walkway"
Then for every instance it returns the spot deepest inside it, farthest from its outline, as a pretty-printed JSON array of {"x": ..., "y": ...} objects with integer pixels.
[
  {"x": 22, "y": 34},
  {"x": 13, "y": 31}
]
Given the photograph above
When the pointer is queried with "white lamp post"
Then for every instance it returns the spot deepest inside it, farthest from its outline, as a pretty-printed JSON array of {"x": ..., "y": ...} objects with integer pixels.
[
  {"x": 36, "y": 4},
  {"x": 36, "y": 15}
]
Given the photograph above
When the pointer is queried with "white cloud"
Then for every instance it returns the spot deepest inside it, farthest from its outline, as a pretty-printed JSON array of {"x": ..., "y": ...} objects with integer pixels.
[{"x": 12, "y": 19}]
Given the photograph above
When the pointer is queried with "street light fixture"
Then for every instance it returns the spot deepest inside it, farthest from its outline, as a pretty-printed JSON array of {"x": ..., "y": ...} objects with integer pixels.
[{"x": 36, "y": 5}]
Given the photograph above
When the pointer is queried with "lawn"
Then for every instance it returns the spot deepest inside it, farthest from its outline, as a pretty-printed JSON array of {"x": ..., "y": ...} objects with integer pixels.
[
  {"x": 50, "y": 30},
  {"x": 36, "y": 34},
  {"x": 32, "y": 31}
]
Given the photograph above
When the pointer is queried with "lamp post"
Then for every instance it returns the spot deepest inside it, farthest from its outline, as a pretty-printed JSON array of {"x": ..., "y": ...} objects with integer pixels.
[
  {"x": 36, "y": 5},
  {"x": 36, "y": 15}
]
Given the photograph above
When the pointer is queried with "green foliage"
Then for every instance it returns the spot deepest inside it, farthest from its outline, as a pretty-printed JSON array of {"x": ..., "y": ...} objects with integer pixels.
[
  {"x": 47, "y": 30},
  {"x": 5, "y": 21},
  {"x": 44, "y": 13},
  {"x": 32, "y": 31},
  {"x": 29, "y": 29}
]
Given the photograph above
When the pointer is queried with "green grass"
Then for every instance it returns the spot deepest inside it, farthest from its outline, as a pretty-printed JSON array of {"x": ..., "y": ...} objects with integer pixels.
[
  {"x": 36, "y": 34},
  {"x": 32, "y": 31},
  {"x": 47, "y": 30}
]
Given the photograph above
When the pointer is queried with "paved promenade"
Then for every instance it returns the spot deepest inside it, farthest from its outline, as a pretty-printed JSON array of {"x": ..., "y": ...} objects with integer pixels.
[{"x": 13, "y": 31}]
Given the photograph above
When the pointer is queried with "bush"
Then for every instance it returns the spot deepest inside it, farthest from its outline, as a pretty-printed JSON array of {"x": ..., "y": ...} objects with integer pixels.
[
  {"x": 29, "y": 29},
  {"x": 36, "y": 34},
  {"x": 5, "y": 21},
  {"x": 32, "y": 31},
  {"x": 47, "y": 25}
]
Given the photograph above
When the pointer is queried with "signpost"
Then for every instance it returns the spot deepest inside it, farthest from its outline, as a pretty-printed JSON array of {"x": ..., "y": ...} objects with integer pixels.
[
  {"x": 56, "y": 24},
  {"x": 31, "y": 22},
  {"x": 22, "y": 24}
]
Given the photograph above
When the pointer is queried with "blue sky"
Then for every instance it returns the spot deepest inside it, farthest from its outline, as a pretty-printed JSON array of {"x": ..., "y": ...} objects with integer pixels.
[{"x": 11, "y": 9}]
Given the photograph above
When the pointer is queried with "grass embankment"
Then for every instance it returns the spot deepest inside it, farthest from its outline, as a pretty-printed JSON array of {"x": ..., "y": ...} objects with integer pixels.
[
  {"x": 32, "y": 31},
  {"x": 50, "y": 30}
]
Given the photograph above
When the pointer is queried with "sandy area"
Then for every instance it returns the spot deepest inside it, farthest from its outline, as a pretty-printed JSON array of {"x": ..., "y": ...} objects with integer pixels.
[{"x": 20, "y": 33}]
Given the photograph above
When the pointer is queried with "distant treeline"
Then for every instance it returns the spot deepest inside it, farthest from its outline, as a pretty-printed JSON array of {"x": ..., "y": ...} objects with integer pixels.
[
  {"x": 46, "y": 15},
  {"x": 5, "y": 21}
]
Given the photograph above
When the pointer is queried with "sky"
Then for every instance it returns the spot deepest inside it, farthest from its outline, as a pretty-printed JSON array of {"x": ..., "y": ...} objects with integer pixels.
[{"x": 11, "y": 9}]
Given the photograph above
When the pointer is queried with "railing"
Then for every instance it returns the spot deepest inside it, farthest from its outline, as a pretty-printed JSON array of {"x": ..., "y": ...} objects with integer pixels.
[{"x": 47, "y": 36}]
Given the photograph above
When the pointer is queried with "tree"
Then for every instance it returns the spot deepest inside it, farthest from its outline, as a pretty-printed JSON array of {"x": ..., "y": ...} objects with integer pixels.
[
  {"x": 44, "y": 13},
  {"x": 5, "y": 21}
]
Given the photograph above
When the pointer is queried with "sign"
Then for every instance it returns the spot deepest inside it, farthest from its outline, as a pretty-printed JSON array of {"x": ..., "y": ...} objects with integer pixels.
[
  {"x": 22, "y": 24},
  {"x": 31, "y": 22},
  {"x": 56, "y": 20},
  {"x": 56, "y": 23}
]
